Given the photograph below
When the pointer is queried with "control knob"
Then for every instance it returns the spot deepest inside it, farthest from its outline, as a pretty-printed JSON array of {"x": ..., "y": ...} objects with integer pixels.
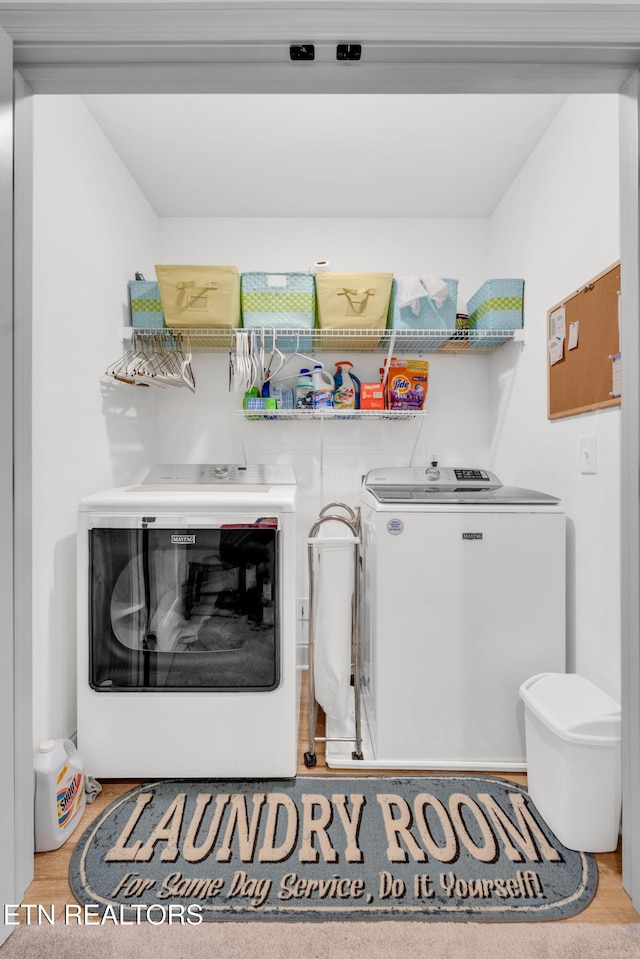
[
  {"x": 221, "y": 472},
  {"x": 433, "y": 474}
]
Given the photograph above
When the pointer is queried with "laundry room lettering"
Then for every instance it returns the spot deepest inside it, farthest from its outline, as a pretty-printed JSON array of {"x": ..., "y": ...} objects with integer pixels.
[
  {"x": 524, "y": 885},
  {"x": 273, "y": 828},
  {"x": 409, "y": 834},
  {"x": 318, "y": 829}
]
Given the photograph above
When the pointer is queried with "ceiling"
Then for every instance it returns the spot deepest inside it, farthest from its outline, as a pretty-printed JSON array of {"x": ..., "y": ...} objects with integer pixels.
[{"x": 324, "y": 155}]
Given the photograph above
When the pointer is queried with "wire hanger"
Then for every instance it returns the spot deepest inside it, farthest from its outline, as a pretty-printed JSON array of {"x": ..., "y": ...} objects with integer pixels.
[{"x": 154, "y": 361}]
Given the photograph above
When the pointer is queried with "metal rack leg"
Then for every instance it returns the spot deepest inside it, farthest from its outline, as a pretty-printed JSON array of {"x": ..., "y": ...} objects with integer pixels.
[
  {"x": 357, "y": 690},
  {"x": 310, "y": 758}
]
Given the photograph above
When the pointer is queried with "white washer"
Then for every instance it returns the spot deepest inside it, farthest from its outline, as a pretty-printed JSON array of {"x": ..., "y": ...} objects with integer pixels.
[
  {"x": 463, "y": 599},
  {"x": 187, "y": 625}
]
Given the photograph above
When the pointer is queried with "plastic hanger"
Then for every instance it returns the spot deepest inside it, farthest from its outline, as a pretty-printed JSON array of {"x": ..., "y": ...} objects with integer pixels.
[
  {"x": 269, "y": 372},
  {"x": 309, "y": 361},
  {"x": 241, "y": 367},
  {"x": 186, "y": 372}
]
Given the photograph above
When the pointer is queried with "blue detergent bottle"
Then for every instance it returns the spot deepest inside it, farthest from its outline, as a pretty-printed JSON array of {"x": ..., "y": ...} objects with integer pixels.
[
  {"x": 304, "y": 390},
  {"x": 347, "y": 387}
]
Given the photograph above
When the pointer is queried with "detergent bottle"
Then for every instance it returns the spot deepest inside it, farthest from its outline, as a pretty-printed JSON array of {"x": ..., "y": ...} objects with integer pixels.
[
  {"x": 347, "y": 392},
  {"x": 304, "y": 391},
  {"x": 323, "y": 388},
  {"x": 59, "y": 792}
]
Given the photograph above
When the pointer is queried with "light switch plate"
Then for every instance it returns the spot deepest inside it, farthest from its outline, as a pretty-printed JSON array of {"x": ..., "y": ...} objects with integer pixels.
[{"x": 588, "y": 454}]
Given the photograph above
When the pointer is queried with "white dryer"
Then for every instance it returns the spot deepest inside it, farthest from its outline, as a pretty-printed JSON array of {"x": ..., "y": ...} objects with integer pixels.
[
  {"x": 187, "y": 625},
  {"x": 463, "y": 598}
]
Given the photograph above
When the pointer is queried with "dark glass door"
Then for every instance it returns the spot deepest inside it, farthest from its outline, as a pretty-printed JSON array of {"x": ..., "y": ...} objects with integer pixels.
[{"x": 184, "y": 609}]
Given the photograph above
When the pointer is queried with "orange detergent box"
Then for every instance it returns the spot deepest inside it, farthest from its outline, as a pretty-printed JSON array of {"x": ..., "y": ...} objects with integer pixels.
[
  {"x": 371, "y": 396},
  {"x": 407, "y": 384}
]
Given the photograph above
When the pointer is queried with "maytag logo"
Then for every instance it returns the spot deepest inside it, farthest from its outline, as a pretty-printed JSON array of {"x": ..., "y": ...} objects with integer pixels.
[
  {"x": 472, "y": 535},
  {"x": 183, "y": 539}
]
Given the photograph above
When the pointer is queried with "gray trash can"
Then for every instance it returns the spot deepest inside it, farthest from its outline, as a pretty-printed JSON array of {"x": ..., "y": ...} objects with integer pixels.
[{"x": 572, "y": 732}]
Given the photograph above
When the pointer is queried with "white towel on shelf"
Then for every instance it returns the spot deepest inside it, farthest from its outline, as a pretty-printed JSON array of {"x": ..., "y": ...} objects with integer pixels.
[
  {"x": 333, "y": 597},
  {"x": 411, "y": 289},
  {"x": 436, "y": 288}
]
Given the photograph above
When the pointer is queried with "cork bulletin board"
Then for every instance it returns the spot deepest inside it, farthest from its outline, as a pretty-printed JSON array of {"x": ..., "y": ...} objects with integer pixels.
[{"x": 584, "y": 348}]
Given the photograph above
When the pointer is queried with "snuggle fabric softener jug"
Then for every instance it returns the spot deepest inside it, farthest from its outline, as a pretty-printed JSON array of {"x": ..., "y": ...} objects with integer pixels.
[
  {"x": 59, "y": 794},
  {"x": 347, "y": 392}
]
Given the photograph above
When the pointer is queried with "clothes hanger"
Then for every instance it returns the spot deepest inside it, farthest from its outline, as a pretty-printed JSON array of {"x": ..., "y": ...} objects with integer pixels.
[
  {"x": 186, "y": 371},
  {"x": 240, "y": 368},
  {"x": 123, "y": 370},
  {"x": 269, "y": 372},
  {"x": 141, "y": 366},
  {"x": 309, "y": 361}
]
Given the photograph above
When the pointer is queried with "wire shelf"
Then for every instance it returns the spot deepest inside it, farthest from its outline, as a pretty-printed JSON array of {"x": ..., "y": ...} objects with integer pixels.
[
  {"x": 330, "y": 415},
  {"x": 357, "y": 341}
]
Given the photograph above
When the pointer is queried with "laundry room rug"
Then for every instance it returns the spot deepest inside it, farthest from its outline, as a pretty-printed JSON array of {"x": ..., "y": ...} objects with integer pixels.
[{"x": 322, "y": 848}]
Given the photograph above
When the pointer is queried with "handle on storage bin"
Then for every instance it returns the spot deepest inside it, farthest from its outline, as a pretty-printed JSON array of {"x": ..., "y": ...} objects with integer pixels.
[
  {"x": 187, "y": 284},
  {"x": 528, "y": 683},
  {"x": 355, "y": 307}
]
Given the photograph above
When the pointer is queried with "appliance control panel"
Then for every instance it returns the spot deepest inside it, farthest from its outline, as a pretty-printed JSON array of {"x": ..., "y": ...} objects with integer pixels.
[
  {"x": 437, "y": 478},
  {"x": 221, "y": 474}
]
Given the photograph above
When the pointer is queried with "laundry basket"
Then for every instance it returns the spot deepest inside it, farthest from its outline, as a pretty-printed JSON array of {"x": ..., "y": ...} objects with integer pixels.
[{"x": 572, "y": 732}]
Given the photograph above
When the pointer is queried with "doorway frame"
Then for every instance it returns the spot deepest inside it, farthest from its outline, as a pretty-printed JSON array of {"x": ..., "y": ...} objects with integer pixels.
[{"x": 91, "y": 49}]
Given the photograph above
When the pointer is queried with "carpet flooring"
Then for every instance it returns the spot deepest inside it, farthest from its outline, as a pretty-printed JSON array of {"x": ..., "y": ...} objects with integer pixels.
[{"x": 353, "y": 940}]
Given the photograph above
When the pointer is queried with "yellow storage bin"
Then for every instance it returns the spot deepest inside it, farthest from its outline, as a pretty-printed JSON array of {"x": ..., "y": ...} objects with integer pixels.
[{"x": 200, "y": 296}]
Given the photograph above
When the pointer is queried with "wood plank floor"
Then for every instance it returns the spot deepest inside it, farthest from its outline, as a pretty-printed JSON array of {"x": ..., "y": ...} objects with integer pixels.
[{"x": 50, "y": 886}]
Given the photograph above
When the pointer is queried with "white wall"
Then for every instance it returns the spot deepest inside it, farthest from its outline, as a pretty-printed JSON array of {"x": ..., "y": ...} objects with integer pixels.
[
  {"x": 92, "y": 226},
  {"x": 330, "y": 458},
  {"x": 558, "y": 226}
]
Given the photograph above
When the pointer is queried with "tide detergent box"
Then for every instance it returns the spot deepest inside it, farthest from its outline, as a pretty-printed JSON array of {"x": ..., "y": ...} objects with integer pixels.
[{"x": 407, "y": 384}]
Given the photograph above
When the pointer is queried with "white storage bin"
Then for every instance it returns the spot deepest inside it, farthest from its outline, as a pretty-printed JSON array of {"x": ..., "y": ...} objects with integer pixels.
[{"x": 572, "y": 731}]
